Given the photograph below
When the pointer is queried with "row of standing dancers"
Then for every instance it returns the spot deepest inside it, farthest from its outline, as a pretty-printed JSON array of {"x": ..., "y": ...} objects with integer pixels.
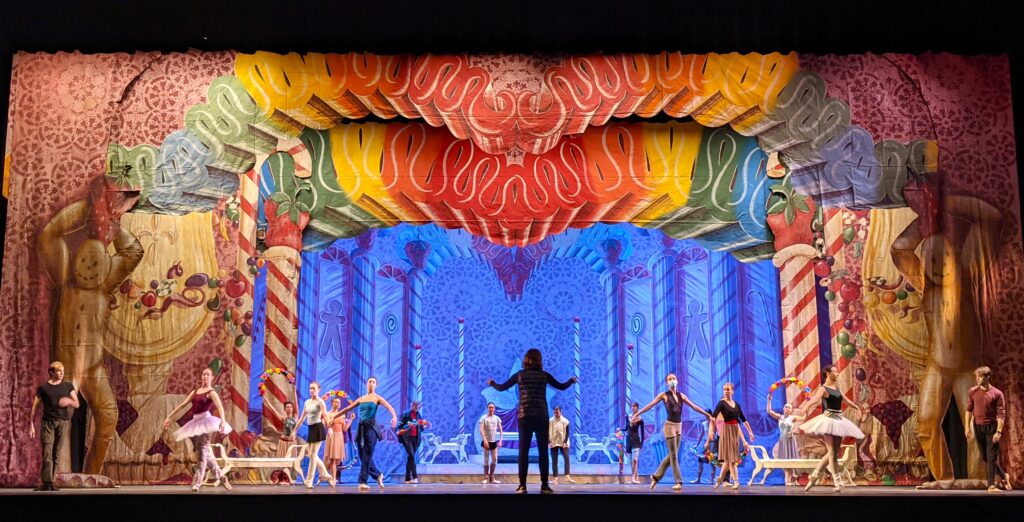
[{"x": 984, "y": 423}]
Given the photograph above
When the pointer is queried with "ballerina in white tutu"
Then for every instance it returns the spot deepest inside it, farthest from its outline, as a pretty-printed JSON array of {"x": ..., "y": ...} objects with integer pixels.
[
  {"x": 830, "y": 425},
  {"x": 202, "y": 426}
]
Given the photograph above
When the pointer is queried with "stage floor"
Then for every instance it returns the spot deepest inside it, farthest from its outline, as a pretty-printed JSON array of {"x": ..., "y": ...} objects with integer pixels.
[
  {"x": 473, "y": 502},
  {"x": 509, "y": 488}
]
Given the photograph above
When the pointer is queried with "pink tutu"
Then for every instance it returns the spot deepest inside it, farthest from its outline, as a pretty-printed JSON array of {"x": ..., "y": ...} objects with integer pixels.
[
  {"x": 201, "y": 424},
  {"x": 831, "y": 423}
]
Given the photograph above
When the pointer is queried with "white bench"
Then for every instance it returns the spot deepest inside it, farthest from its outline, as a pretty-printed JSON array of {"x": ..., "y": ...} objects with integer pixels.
[
  {"x": 763, "y": 461},
  {"x": 587, "y": 444},
  {"x": 434, "y": 446},
  {"x": 293, "y": 460}
]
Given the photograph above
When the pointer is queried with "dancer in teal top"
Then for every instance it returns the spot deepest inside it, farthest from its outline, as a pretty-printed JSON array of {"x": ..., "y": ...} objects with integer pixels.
[{"x": 367, "y": 433}]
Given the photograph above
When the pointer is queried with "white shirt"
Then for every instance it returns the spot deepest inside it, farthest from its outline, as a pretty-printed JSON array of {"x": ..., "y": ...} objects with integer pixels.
[
  {"x": 491, "y": 424},
  {"x": 557, "y": 430}
]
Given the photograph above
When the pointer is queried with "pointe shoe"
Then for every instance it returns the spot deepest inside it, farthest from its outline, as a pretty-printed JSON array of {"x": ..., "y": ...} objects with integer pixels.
[
  {"x": 380, "y": 481},
  {"x": 363, "y": 486},
  {"x": 484, "y": 481},
  {"x": 226, "y": 484},
  {"x": 554, "y": 480},
  {"x": 195, "y": 489},
  {"x": 812, "y": 479},
  {"x": 677, "y": 486},
  {"x": 569, "y": 479},
  {"x": 718, "y": 483},
  {"x": 332, "y": 482},
  {"x": 994, "y": 489},
  {"x": 495, "y": 481},
  {"x": 654, "y": 481},
  {"x": 309, "y": 485},
  {"x": 735, "y": 485}
]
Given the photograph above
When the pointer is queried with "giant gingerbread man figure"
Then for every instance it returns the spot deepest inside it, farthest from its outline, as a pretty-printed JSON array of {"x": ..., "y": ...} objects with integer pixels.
[
  {"x": 84, "y": 281},
  {"x": 956, "y": 236}
]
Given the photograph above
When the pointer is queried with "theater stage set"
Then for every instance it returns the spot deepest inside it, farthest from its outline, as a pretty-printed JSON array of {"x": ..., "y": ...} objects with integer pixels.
[{"x": 424, "y": 213}]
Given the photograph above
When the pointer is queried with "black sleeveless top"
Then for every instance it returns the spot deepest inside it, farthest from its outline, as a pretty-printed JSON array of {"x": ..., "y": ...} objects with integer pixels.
[
  {"x": 832, "y": 400},
  {"x": 673, "y": 406}
]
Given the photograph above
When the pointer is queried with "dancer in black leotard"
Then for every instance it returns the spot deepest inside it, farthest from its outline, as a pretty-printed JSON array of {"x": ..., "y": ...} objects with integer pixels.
[
  {"x": 831, "y": 426},
  {"x": 533, "y": 413},
  {"x": 673, "y": 428}
]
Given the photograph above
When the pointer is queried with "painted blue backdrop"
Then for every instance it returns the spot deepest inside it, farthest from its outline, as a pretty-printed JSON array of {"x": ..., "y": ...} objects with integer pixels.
[{"x": 646, "y": 305}]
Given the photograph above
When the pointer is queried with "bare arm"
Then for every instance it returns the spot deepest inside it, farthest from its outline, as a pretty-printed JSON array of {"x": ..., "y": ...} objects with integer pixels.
[
  {"x": 695, "y": 407},
  {"x": 72, "y": 399},
  {"x": 219, "y": 405},
  {"x": 660, "y": 397},
  {"x": 813, "y": 399},
  {"x": 174, "y": 413},
  {"x": 772, "y": 414},
  {"x": 351, "y": 405},
  {"x": 860, "y": 410},
  {"x": 32, "y": 418},
  {"x": 52, "y": 249},
  {"x": 394, "y": 418}
]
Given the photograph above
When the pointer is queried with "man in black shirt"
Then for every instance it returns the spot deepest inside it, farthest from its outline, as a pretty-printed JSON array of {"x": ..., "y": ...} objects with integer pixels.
[{"x": 57, "y": 396}]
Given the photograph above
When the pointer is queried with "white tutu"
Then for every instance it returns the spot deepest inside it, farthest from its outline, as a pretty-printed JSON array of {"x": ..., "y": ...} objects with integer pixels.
[
  {"x": 201, "y": 424},
  {"x": 831, "y": 423}
]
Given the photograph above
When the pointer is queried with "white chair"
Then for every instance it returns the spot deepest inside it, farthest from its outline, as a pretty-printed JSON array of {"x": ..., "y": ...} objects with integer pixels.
[
  {"x": 292, "y": 460},
  {"x": 763, "y": 461},
  {"x": 586, "y": 444},
  {"x": 434, "y": 445}
]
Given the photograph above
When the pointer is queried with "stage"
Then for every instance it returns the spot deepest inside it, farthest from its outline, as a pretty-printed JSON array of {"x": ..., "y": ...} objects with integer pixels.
[{"x": 468, "y": 501}]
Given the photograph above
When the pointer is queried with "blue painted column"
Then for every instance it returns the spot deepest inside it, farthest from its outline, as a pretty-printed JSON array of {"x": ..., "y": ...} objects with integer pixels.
[
  {"x": 363, "y": 308},
  {"x": 663, "y": 274},
  {"x": 417, "y": 251},
  {"x": 615, "y": 335}
]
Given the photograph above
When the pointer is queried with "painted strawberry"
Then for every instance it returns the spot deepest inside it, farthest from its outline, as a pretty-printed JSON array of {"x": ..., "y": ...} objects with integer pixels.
[
  {"x": 286, "y": 218},
  {"x": 789, "y": 215}
]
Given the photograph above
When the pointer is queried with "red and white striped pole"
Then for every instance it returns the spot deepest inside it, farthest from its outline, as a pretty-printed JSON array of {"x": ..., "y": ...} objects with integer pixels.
[
  {"x": 241, "y": 353},
  {"x": 281, "y": 337},
  {"x": 799, "y": 317},
  {"x": 834, "y": 248}
]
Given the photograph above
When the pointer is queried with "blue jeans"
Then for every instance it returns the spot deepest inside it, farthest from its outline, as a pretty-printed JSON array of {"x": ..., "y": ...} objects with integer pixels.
[{"x": 366, "y": 439}]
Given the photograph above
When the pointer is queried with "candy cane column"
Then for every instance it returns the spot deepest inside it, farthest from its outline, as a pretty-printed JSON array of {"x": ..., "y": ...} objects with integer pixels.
[
  {"x": 834, "y": 247},
  {"x": 799, "y": 316},
  {"x": 241, "y": 354},
  {"x": 281, "y": 338}
]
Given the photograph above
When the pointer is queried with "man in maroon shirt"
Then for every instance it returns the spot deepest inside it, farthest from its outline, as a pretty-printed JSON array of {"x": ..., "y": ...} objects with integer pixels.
[{"x": 986, "y": 410}]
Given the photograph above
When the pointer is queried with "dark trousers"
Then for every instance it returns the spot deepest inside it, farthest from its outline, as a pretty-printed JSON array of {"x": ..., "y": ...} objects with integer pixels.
[
  {"x": 983, "y": 433},
  {"x": 411, "y": 444},
  {"x": 528, "y": 427},
  {"x": 51, "y": 436},
  {"x": 554, "y": 459},
  {"x": 367, "y": 440}
]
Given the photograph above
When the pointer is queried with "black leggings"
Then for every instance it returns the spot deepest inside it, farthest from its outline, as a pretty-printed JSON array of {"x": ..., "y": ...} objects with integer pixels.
[
  {"x": 528, "y": 426},
  {"x": 411, "y": 444}
]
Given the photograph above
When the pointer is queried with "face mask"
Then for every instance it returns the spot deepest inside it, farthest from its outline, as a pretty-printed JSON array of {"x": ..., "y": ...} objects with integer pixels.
[{"x": 672, "y": 384}]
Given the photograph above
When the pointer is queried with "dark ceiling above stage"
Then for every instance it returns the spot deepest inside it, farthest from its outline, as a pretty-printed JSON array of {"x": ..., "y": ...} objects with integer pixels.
[{"x": 391, "y": 26}]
